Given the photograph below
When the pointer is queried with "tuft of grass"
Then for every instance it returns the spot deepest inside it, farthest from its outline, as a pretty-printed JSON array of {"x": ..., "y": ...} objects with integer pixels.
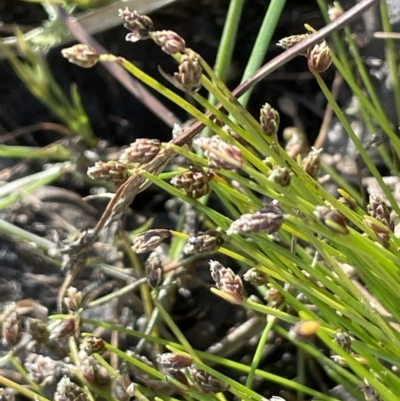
[{"x": 329, "y": 266}]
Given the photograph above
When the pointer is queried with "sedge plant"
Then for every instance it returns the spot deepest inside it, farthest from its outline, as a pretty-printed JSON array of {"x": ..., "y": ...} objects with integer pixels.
[{"x": 324, "y": 267}]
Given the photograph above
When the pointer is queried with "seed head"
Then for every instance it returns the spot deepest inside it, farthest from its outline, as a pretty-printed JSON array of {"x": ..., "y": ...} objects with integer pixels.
[
  {"x": 229, "y": 283},
  {"x": 141, "y": 151},
  {"x": 140, "y": 25},
  {"x": 38, "y": 330},
  {"x": 169, "y": 360},
  {"x": 274, "y": 297},
  {"x": 170, "y": 41},
  {"x": 82, "y": 55},
  {"x": 334, "y": 11},
  {"x": 206, "y": 382},
  {"x": 123, "y": 388},
  {"x": 73, "y": 299},
  {"x": 280, "y": 176},
  {"x": 256, "y": 277},
  {"x": 319, "y": 57},
  {"x": 12, "y": 328},
  {"x": 69, "y": 391},
  {"x": 190, "y": 72},
  {"x": 93, "y": 345},
  {"x": 195, "y": 182},
  {"x": 296, "y": 142},
  {"x": 343, "y": 340},
  {"x": 311, "y": 164},
  {"x": 66, "y": 328},
  {"x": 204, "y": 243},
  {"x": 220, "y": 154},
  {"x": 269, "y": 220},
  {"x": 332, "y": 219},
  {"x": 378, "y": 209},
  {"x": 112, "y": 171},
  {"x": 290, "y": 41},
  {"x": 149, "y": 240},
  {"x": 154, "y": 269},
  {"x": 269, "y": 120},
  {"x": 94, "y": 373}
]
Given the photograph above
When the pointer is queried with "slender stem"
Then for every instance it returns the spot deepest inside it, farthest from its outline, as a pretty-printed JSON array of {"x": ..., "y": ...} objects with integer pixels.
[
  {"x": 259, "y": 350},
  {"x": 226, "y": 45},
  {"x": 391, "y": 55},
  {"x": 228, "y": 39},
  {"x": 263, "y": 40}
]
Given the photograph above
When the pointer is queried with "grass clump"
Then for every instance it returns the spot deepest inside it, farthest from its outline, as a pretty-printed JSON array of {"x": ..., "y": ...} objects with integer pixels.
[{"x": 325, "y": 269}]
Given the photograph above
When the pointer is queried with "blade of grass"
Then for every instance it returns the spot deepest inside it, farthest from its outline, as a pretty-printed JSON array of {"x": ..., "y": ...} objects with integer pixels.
[{"x": 262, "y": 43}]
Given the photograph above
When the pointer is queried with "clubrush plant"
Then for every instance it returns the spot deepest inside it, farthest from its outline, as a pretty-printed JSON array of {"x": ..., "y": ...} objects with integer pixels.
[{"x": 323, "y": 268}]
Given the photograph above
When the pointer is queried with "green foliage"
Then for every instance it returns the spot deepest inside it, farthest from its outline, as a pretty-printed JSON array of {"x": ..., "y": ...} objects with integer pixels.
[{"x": 305, "y": 242}]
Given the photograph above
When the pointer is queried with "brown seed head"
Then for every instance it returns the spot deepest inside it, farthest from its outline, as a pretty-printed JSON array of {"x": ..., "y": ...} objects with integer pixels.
[
  {"x": 269, "y": 120},
  {"x": 154, "y": 269},
  {"x": 123, "y": 388},
  {"x": 280, "y": 176},
  {"x": 228, "y": 282},
  {"x": 69, "y": 391},
  {"x": 169, "y": 360},
  {"x": 112, "y": 171},
  {"x": 256, "y": 277},
  {"x": 343, "y": 340},
  {"x": 66, "y": 328},
  {"x": 38, "y": 330},
  {"x": 149, "y": 240},
  {"x": 274, "y": 297},
  {"x": 169, "y": 41},
  {"x": 73, "y": 299},
  {"x": 94, "y": 373},
  {"x": 93, "y": 345},
  {"x": 82, "y": 55},
  {"x": 269, "y": 220},
  {"x": 206, "y": 382},
  {"x": 319, "y": 57},
  {"x": 290, "y": 41},
  {"x": 311, "y": 164},
  {"x": 220, "y": 154},
  {"x": 12, "y": 328},
  {"x": 377, "y": 208},
  {"x": 204, "y": 243},
  {"x": 190, "y": 72},
  {"x": 195, "y": 182},
  {"x": 141, "y": 151},
  {"x": 140, "y": 25}
]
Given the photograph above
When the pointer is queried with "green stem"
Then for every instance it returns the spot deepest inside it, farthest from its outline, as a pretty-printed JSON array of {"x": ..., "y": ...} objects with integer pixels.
[
  {"x": 391, "y": 54},
  {"x": 227, "y": 42},
  {"x": 259, "y": 350},
  {"x": 21, "y": 389},
  {"x": 53, "y": 152},
  {"x": 263, "y": 40}
]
